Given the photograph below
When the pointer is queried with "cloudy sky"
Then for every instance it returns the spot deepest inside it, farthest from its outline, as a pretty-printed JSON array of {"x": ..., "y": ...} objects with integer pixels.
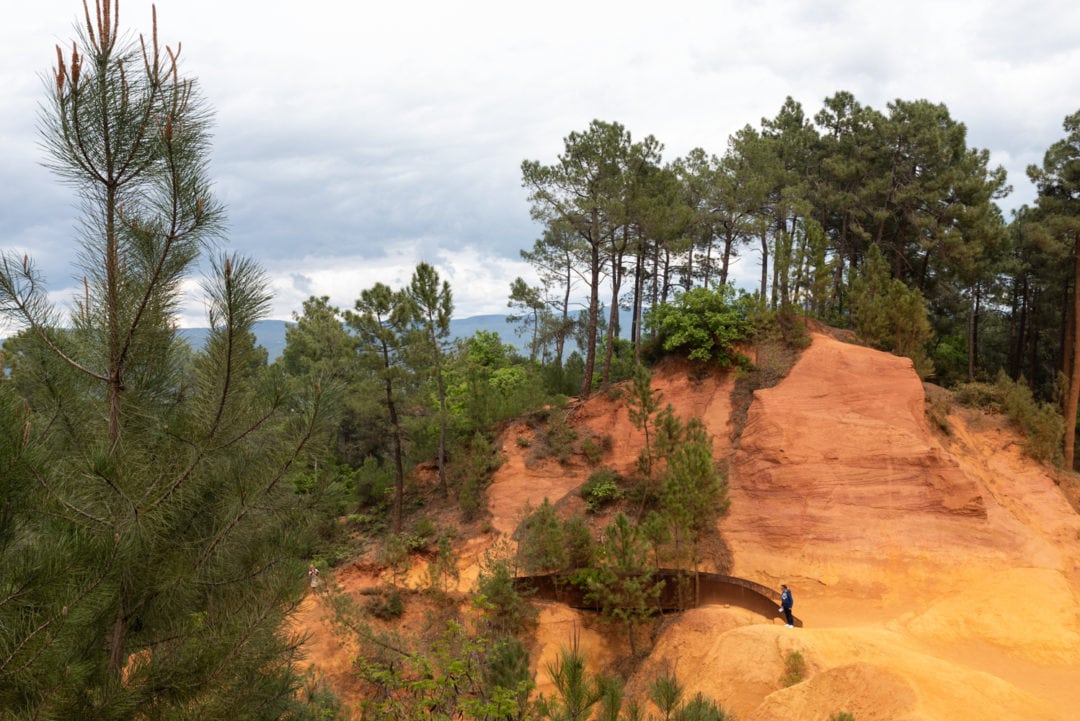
[{"x": 354, "y": 139}]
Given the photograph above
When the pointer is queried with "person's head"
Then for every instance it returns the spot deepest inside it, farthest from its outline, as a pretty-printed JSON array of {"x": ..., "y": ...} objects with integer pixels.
[{"x": 783, "y": 586}]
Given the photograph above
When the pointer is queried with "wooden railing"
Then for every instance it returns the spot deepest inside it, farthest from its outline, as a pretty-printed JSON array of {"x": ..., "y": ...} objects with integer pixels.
[{"x": 681, "y": 590}]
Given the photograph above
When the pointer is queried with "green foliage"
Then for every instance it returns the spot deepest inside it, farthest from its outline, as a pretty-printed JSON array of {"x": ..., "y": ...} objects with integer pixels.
[
  {"x": 794, "y": 669},
  {"x": 395, "y": 556},
  {"x": 433, "y": 304},
  {"x": 558, "y": 438},
  {"x": 601, "y": 489},
  {"x": 386, "y": 605},
  {"x": 622, "y": 584},
  {"x": 889, "y": 315},
  {"x": 504, "y": 609},
  {"x": 151, "y": 536},
  {"x": 541, "y": 546},
  {"x": 373, "y": 483},
  {"x": 694, "y": 491},
  {"x": 666, "y": 693},
  {"x": 449, "y": 677},
  {"x": 487, "y": 383},
  {"x": 579, "y": 543},
  {"x": 1041, "y": 422},
  {"x": 471, "y": 469},
  {"x": 507, "y": 680},
  {"x": 700, "y": 708},
  {"x": 642, "y": 404},
  {"x": 317, "y": 344},
  {"x": 705, "y": 325},
  {"x": 842, "y": 716},
  {"x": 442, "y": 570},
  {"x": 594, "y": 450},
  {"x": 576, "y": 691},
  {"x": 381, "y": 320}
]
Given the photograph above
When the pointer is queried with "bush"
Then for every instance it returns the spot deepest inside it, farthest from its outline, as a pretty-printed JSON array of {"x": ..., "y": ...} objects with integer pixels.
[
  {"x": 704, "y": 325},
  {"x": 423, "y": 535},
  {"x": 1041, "y": 422},
  {"x": 579, "y": 542},
  {"x": 842, "y": 716},
  {"x": 592, "y": 451},
  {"x": 387, "y": 605},
  {"x": 601, "y": 489},
  {"x": 373, "y": 483},
  {"x": 505, "y": 609},
  {"x": 560, "y": 437},
  {"x": 794, "y": 669},
  {"x": 471, "y": 471},
  {"x": 540, "y": 540}
]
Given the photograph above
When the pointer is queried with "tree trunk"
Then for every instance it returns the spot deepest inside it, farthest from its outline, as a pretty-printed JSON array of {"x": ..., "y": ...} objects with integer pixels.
[
  {"x": 613, "y": 315},
  {"x": 764, "y": 263},
  {"x": 973, "y": 332},
  {"x": 395, "y": 430},
  {"x": 1074, "y": 376},
  {"x": 639, "y": 292},
  {"x": 594, "y": 310}
]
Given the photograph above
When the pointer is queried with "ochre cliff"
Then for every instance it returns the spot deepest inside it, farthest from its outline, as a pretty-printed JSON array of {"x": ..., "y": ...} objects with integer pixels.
[{"x": 937, "y": 574}]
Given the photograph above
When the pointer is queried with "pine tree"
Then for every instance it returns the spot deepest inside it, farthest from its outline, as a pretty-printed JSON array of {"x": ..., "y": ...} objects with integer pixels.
[
  {"x": 433, "y": 304},
  {"x": 149, "y": 536},
  {"x": 381, "y": 320}
]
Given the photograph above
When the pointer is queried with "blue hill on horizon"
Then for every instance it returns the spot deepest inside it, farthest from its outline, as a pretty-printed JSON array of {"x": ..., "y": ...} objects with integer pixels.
[{"x": 270, "y": 334}]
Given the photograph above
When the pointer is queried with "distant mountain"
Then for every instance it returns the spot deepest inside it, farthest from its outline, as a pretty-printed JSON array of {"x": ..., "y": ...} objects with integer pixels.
[{"x": 270, "y": 334}]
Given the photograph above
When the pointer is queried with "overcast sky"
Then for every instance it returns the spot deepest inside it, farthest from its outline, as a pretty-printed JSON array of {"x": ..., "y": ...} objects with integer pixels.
[{"x": 354, "y": 139}]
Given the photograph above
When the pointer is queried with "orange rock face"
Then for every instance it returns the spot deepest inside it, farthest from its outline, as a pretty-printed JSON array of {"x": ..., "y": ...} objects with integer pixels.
[
  {"x": 937, "y": 574},
  {"x": 838, "y": 460}
]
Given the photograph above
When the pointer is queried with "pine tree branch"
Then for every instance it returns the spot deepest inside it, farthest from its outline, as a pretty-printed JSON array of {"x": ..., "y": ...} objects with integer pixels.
[
  {"x": 282, "y": 470},
  {"x": 74, "y": 509},
  {"x": 64, "y": 611}
]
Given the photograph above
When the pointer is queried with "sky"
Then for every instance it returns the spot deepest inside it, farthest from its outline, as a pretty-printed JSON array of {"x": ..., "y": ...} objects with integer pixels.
[{"x": 353, "y": 140}]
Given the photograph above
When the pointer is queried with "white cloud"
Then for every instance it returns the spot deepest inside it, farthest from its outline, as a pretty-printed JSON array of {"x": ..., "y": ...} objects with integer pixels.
[{"x": 355, "y": 139}]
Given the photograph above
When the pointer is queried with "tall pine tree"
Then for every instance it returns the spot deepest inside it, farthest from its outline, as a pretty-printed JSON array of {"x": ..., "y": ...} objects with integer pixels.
[{"x": 149, "y": 537}]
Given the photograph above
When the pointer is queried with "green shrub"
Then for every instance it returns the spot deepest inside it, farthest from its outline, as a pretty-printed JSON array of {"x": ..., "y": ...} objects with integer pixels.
[
  {"x": 983, "y": 396},
  {"x": 842, "y": 716},
  {"x": 579, "y": 542},
  {"x": 372, "y": 482},
  {"x": 794, "y": 669},
  {"x": 471, "y": 470},
  {"x": 423, "y": 535},
  {"x": 938, "y": 413},
  {"x": 560, "y": 437},
  {"x": 506, "y": 671},
  {"x": 503, "y": 607},
  {"x": 592, "y": 451},
  {"x": 601, "y": 489},
  {"x": 540, "y": 540},
  {"x": 1041, "y": 422},
  {"x": 386, "y": 605},
  {"x": 704, "y": 324}
]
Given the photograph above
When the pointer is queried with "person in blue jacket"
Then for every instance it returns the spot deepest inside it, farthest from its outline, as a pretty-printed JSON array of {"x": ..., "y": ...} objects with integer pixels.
[{"x": 785, "y": 605}]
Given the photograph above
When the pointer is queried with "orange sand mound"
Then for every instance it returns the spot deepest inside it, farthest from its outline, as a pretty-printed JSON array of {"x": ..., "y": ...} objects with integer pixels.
[{"x": 938, "y": 576}]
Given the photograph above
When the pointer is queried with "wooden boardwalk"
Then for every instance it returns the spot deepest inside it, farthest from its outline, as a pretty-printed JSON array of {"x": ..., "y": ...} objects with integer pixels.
[{"x": 681, "y": 590}]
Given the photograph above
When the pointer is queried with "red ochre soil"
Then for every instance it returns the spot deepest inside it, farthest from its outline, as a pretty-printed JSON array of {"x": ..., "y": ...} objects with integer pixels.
[{"x": 937, "y": 573}]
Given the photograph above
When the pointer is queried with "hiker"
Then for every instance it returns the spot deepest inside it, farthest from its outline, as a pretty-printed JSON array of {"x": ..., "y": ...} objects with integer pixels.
[
  {"x": 785, "y": 605},
  {"x": 313, "y": 574}
]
